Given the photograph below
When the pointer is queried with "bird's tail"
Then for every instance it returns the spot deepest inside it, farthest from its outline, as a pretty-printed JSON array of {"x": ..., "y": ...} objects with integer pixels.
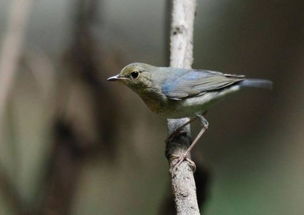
[{"x": 258, "y": 83}]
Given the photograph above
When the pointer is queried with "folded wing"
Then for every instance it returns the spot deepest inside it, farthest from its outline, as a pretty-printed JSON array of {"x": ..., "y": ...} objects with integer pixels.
[{"x": 190, "y": 83}]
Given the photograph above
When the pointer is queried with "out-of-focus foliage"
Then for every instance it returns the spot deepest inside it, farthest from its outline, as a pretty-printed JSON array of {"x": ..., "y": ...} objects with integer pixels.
[{"x": 74, "y": 144}]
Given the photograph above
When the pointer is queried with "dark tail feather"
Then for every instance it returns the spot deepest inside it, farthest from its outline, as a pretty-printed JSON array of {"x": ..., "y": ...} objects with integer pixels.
[{"x": 258, "y": 83}]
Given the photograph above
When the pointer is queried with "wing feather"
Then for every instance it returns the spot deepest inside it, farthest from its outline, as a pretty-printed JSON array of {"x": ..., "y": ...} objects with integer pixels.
[{"x": 191, "y": 83}]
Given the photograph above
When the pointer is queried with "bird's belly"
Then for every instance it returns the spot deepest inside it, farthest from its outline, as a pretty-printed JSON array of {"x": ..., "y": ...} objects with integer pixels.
[{"x": 191, "y": 106}]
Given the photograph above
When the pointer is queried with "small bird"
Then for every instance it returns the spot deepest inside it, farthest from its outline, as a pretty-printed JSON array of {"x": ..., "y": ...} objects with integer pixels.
[{"x": 176, "y": 92}]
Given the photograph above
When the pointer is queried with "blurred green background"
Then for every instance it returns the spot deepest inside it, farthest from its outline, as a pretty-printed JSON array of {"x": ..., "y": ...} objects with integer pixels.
[{"x": 72, "y": 143}]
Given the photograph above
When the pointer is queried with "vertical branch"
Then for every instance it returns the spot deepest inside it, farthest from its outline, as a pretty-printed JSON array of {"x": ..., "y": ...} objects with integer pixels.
[
  {"x": 85, "y": 60},
  {"x": 181, "y": 41},
  {"x": 9, "y": 58},
  {"x": 12, "y": 47},
  {"x": 71, "y": 147},
  {"x": 181, "y": 55},
  {"x": 11, "y": 196}
]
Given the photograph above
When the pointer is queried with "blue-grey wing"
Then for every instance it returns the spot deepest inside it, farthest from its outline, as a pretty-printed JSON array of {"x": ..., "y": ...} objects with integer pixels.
[{"x": 189, "y": 83}]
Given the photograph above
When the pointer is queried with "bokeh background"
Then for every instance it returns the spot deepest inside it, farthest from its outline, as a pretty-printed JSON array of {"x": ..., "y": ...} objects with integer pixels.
[{"x": 74, "y": 144}]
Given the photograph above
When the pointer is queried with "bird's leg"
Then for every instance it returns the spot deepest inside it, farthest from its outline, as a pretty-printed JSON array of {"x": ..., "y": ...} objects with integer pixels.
[
  {"x": 179, "y": 129},
  {"x": 183, "y": 157}
]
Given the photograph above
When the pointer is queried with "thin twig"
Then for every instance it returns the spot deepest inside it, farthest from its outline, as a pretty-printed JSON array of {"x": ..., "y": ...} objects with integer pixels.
[{"x": 181, "y": 55}]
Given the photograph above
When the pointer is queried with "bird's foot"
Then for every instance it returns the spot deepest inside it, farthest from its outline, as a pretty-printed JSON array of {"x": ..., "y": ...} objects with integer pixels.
[
  {"x": 203, "y": 121},
  {"x": 178, "y": 131},
  {"x": 180, "y": 159}
]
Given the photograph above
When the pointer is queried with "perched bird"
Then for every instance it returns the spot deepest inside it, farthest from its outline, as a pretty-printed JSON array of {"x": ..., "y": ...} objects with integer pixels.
[{"x": 176, "y": 93}]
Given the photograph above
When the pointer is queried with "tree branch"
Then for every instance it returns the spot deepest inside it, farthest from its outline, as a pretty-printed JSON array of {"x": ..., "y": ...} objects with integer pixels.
[
  {"x": 181, "y": 55},
  {"x": 10, "y": 53},
  {"x": 12, "y": 47}
]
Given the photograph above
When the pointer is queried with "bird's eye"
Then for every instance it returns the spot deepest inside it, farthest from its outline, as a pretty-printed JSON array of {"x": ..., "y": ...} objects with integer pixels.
[{"x": 134, "y": 75}]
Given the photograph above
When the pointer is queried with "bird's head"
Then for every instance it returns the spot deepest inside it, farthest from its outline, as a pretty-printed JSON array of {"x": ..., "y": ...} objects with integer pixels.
[{"x": 137, "y": 76}]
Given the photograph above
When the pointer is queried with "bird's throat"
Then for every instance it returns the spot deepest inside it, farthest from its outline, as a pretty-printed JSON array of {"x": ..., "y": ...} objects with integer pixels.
[{"x": 153, "y": 100}]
